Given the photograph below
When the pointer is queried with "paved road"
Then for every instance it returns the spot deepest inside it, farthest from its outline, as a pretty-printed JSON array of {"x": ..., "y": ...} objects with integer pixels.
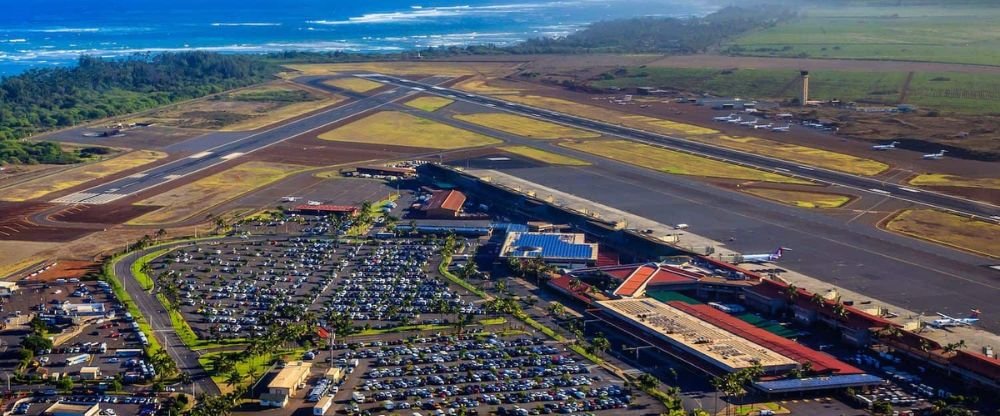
[
  {"x": 159, "y": 320},
  {"x": 223, "y": 146},
  {"x": 869, "y": 185}
]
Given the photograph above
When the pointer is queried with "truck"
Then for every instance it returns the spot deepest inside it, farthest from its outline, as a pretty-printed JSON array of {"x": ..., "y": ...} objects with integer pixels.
[
  {"x": 77, "y": 359},
  {"x": 323, "y": 406}
]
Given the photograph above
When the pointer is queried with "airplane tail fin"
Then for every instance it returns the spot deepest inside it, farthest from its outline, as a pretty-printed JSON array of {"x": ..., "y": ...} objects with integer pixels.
[
  {"x": 777, "y": 253},
  {"x": 974, "y": 313}
]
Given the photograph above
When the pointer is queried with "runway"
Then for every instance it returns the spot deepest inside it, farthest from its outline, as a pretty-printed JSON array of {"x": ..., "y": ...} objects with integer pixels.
[
  {"x": 215, "y": 148},
  {"x": 872, "y": 186}
]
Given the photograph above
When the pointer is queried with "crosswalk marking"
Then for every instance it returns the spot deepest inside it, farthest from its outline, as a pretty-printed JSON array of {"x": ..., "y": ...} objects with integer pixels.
[{"x": 88, "y": 198}]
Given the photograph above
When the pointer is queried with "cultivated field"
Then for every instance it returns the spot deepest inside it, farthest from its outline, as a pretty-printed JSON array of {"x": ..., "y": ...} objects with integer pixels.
[
  {"x": 959, "y": 34},
  {"x": 394, "y": 128},
  {"x": 453, "y": 69},
  {"x": 525, "y": 126},
  {"x": 244, "y": 109},
  {"x": 543, "y": 156},
  {"x": 802, "y": 199},
  {"x": 184, "y": 202},
  {"x": 429, "y": 104},
  {"x": 936, "y": 179},
  {"x": 949, "y": 229},
  {"x": 39, "y": 187},
  {"x": 673, "y": 162},
  {"x": 353, "y": 84}
]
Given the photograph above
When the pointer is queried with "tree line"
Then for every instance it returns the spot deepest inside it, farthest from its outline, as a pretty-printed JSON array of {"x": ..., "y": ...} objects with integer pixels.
[{"x": 44, "y": 99}]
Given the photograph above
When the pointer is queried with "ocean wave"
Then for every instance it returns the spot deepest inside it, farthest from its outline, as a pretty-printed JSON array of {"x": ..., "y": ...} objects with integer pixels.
[
  {"x": 36, "y": 54},
  {"x": 417, "y": 13},
  {"x": 17, "y": 40},
  {"x": 119, "y": 29},
  {"x": 224, "y": 24}
]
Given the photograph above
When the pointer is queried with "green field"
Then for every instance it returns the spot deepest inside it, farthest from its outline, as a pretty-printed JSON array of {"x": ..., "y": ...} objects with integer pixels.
[
  {"x": 959, "y": 34},
  {"x": 944, "y": 91}
]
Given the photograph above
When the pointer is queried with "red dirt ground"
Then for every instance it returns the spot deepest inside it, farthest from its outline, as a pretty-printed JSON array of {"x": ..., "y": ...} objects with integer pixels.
[
  {"x": 15, "y": 224},
  {"x": 100, "y": 214},
  {"x": 66, "y": 269}
]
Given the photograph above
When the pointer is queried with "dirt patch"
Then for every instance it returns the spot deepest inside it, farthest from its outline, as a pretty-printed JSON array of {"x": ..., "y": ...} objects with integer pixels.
[
  {"x": 16, "y": 224},
  {"x": 18, "y": 255},
  {"x": 948, "y": 229},
  {"x": 66, "y": 269},
  {"x": 140, "y": 138},
  {"x": 315, "y": 152}
]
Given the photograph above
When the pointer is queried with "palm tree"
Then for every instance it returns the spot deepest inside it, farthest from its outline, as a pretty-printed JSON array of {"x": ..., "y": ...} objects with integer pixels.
[
  {"x": 839, "y": 310},
  {"x": 557, "y": 309},
  {"x": 600, "y": 344},
  {"x": 791, "y": 292},
  {"x": 575, "y": 283},
  {"x": 818, "y": 300},
  {"x": 234, "y": 378}
]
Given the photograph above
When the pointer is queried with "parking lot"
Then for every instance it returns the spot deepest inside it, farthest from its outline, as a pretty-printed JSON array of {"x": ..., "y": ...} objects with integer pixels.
[
  {"x": 109, "y": 405},
  {"x": 236, "y": 289}
]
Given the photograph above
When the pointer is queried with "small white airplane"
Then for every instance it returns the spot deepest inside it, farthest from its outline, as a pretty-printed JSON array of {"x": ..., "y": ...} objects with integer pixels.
[
  {"x": 782, "y": 128},
  {"x": 736, "y": 120},
  {"x": 889, "y": 146},
  {"x": 724, "y": 118},
  {"x": 750, "y": 123},
  {"x": 947, "y": 321},
  {"x": 314, "y": 203},
  {"x": 290, "y": 198},
  {"x": 935, "y": 156},
  {"x": 763, "y": 126},
  {"x": 760, "y": 258}
]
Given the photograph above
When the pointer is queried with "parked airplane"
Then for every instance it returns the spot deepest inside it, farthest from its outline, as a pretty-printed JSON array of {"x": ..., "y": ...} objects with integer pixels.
[
  {"x": 290, "y": 198},
  {"x": 763, "y": 126},
  {"x": 750, "y": 123},
  {"x": 314, "y": 203},
  {"x": 736, "y": 120},
  {"x": 761, "y": 258},
  {"x": 725, "y": 118},
  {"x": 889, "y": 146},
  {"x": 935, "y": 156},
  {"x": 947, "y": 321},
  {"x": 782, "y": 128}
]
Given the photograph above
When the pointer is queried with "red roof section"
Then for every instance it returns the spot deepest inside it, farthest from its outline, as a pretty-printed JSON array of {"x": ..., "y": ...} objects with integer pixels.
[
  {"x": 635, "y": 281},
  {"x": 562, "y": 283},
  {"x": 855, "y": 317},
  {"x": 451, "y": 200},
  {"x": 978, "y": 363},
  {"x": 606, "y": 256},
  {"x": 821, "y": 362},
  {"x": 327, "y": 208},
  {"x": 668, "y": 275}
]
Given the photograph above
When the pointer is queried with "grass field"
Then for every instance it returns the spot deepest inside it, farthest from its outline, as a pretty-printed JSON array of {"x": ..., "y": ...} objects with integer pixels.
[
  {"x": 801, "y": 199},
  {"x": 353, "y": 84},
  {"x": 243, "y": 109},
  {"x": 938, "y": 179},
  {"x": 678, "y": 163},
  {"x": 452, "y": 69},
  {"x": 282, "y": 113},
  {"x": 801, "y": 154},
  {"x": 45, "y": 185},
  {"x": 20, "y": 254},
  {"x": 478, "y": 85},
  {"x": 959, "y": 34},
  {"x": 526, "y": 126},
  {"x": 429, "y": 104},
  {"x": 543, "y": 156},
  {"x": 949, "y": 229},
  {"x": 186, "y": 201},
  {"x": 394, "y": 128}
]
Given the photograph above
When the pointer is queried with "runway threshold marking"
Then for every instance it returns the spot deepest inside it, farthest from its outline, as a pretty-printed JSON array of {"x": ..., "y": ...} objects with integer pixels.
[
  {"x": 199, "y": 155},
  {"x": 879, "y": 191},
  {"x": 233, "y": 155},
  {"x": 903, "y": 188}
]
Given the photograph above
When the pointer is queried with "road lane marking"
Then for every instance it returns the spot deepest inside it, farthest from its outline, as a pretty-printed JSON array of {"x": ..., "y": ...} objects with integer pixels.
[{"x": 199, "y": 155}]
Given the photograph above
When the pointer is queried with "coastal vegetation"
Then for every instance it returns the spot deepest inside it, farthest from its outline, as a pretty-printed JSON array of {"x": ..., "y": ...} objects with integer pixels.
[{"x": 45, "y": 99}]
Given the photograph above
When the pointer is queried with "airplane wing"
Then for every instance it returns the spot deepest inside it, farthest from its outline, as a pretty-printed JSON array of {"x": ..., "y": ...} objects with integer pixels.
[{"x": 945, "y": 316}]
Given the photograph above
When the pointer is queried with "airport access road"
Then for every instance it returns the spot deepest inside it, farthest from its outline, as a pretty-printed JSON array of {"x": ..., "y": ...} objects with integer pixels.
[
  {"x": 966, "y": 207},
  {"x": 234, "y": 146}
]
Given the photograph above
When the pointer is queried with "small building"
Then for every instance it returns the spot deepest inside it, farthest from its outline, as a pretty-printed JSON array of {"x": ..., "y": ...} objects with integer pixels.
[
  {"x": 463, "y": 227},
  {"x": 66, "y": 409},
  {"x": 326, "y": 209},
  {"x": 82, "y": 309},
  {"x": 386, "y": 171},
  {"x": 285, "y": 384},
  {"x": 568, "y": 251},
  {"x": 444, "y": 204},
  {"x": 7, "y": 289},
  {"x": 90, "y": 373},
  {"x": 335, "y": 374}
]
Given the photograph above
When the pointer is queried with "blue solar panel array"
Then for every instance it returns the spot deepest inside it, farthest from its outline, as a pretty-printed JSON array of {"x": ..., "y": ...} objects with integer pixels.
[
  {"x": 551, "y": 246},
  {"x": 510, "y": 227},
  {"x": 818, "y": 383}
]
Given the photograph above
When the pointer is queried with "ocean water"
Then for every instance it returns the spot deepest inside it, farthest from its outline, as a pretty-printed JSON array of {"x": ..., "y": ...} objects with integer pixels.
[{"x": 41, "y": 33}]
